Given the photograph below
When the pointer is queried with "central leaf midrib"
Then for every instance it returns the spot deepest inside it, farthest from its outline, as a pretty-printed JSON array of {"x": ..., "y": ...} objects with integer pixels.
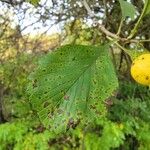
[{"x": 78, "y": 77}]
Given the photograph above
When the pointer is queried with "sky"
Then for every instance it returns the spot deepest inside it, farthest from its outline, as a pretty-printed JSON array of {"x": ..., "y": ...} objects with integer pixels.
[
  {"x": 16, "y": 16},
  {"x": 29, "y": 19}
]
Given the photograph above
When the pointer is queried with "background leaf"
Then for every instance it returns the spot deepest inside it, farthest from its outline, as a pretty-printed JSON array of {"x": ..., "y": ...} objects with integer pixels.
[
  {"x": 71, "y": 84},
  {"x": 128, "y": 10},
  {"x": 147, "y": 7},
  {"x": 33, "y": 2}
]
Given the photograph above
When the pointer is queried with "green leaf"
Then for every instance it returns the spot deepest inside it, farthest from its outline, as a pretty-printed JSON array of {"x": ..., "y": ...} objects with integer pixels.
[
  {"x": 71, "y": 84},
  {"x": 33, "y": 2},
  {"x": 145, "y": 11},
  {"x": 147, "y": 7},
  {"x": 112, "y": 136},
  {"x": 128, "y": 10}
]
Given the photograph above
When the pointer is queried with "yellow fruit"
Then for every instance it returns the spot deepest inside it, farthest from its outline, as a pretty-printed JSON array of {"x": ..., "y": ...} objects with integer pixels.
[{"x": 140, "y": 69}]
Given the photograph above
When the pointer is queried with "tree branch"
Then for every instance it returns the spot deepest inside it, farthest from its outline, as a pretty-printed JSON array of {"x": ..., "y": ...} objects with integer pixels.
[
  {"x": 12, "y": 2},
  {"x": 102, "y": 28},
  {"x": 107, "y": 32}
]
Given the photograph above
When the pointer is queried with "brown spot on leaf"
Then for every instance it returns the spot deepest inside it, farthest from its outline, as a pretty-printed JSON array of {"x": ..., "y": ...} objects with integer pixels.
[
  {"x": 147, "y": 78},
  {"x": 59, "y": 111},
  {"x": 46, "y": 104},
  {"x": 109, "y": 102},
  {"x": 45, "y": 92},
  {"x": 92, "y": 106},
  {"x": 66, "y": 97},
  {"x": 79, "y": 113},
  {"x": 40, "y": 129},
  {"x": 34, "y": 84},
  {"x": 98, "y": 112}
]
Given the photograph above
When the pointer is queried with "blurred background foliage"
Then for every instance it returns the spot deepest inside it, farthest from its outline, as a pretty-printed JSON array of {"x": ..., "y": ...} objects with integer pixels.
[{"x": 127, "y": 125}]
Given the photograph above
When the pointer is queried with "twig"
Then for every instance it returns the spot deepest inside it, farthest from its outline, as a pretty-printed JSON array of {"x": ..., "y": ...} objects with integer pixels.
[
  {"x": 102, "y": 28},
  {"x": 138, "y": 22},
  {"x": 120, "y": 46},
  {"x": 120, "y": 26},
  {"x": 110, "y": 34},
  {"x": 85, "y": 4},
  {"x": 137, "y": 41}
]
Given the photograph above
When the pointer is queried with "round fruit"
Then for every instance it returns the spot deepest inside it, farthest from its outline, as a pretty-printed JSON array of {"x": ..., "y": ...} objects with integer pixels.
[{"x": 140, "y": 69}]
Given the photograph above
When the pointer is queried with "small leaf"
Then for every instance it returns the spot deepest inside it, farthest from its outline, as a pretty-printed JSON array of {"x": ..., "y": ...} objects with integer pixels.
[
  {"x": 33, "y": 2},
  {"x": 71, "y": 84},
  {"x": 147, "y": 7},
  {"x": 128, "y": 10}
]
